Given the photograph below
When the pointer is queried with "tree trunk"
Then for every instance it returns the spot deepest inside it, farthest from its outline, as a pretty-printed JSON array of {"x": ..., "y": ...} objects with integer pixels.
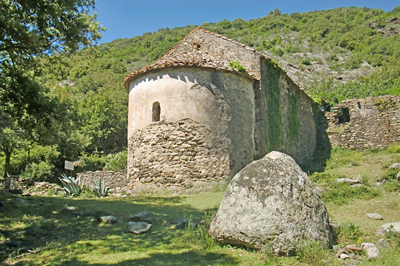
[
  {"x": 29, "y": 155},
  {"x": 7, "y": 163}
]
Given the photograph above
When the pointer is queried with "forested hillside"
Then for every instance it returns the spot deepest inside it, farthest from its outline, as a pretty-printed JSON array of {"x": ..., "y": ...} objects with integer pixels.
[{"x": 335, "y": 54}]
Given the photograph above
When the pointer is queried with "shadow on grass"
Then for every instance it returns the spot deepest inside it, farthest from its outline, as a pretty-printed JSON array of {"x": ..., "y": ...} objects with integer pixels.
[
  {"x": 186, "y": 258},
  {"x": 181, "y": 259},
  {"x": 44, "y": 223}
]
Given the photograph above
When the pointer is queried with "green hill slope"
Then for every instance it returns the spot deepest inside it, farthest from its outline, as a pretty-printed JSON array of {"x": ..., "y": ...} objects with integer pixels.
[{"x": 319, "y": 49}]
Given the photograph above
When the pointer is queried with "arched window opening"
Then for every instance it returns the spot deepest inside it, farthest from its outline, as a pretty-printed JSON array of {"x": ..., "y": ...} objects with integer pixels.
[{"x": 156, "y": 112}]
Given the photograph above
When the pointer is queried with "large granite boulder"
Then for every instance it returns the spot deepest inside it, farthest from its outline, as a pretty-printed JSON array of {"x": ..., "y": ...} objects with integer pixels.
[{"x": 271, "y": 203}]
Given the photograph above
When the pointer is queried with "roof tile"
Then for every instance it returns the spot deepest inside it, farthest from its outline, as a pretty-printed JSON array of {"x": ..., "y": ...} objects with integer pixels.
[{"x": 192, "y": 58}]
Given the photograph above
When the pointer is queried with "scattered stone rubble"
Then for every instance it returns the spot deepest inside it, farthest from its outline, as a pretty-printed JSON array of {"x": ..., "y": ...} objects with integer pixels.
[{"x": 43, "y": 188}]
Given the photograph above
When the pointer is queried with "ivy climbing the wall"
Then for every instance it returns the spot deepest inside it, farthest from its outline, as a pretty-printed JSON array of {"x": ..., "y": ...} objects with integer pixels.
[
  {"x": 294, "y": 123},
  {"x": 274, "y": 113}
]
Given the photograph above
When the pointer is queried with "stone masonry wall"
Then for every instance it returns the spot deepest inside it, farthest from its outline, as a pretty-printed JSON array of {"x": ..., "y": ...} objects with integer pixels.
[
  {"x": 116, "y": 180},
  {"x": 177, "y": 153},
  {"x": 365, "y": 123},
  {"x": 289, "y": 119}
]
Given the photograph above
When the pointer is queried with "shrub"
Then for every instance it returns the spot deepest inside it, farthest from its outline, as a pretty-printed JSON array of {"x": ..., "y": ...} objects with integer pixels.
[
  {"x": 279, "y": 52},
  {"x": 333, "y": 57},
  {"x": 394, "y": 148},
  {"x": 390, "y": 174},
  {"x": 322, "y": 178},
  {"x": 117, "y": 161},
  {"x": 353, "y": 63},
  {"x": 392, "y": 186},
  {"x": 393, "y": 238},
  {"x": 237, "y": 65},
  {"x": 306, "y": 61},
  {"x": 349, "y": 232},
  {"x": 37, "y": 172},
  {"x": 92, "y": 162}
]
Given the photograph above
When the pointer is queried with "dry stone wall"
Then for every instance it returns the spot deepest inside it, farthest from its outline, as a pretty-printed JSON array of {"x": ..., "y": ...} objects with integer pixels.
[
  {"x": 365, "y": 123},
  {"x": 116, "y": 180},
  {"x": 177, "y": 154}
]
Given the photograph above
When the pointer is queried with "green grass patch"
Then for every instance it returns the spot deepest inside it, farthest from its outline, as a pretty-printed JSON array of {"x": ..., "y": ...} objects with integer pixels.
[{"x": 341, "y": 193}]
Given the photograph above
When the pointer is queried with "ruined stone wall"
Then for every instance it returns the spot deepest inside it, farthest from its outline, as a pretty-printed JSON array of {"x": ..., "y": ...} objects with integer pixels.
[
  {"x": 365, "y": 123},
  {"x": 117, "y": 181},
  {"x": 177, "y": 153}
]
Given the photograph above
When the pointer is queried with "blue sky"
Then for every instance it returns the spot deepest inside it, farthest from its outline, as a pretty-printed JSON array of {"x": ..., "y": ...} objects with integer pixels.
[{"x": 128, "y": 18}]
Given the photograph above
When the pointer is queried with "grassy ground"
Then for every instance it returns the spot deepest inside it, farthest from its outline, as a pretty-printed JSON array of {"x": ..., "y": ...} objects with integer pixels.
[{"x": 58, "y": 236}]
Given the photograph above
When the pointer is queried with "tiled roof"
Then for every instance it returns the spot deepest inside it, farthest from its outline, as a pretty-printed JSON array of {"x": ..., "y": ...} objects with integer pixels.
[
  {"x": 192, "y": 58},
  {"x": 217, "y": 35}
]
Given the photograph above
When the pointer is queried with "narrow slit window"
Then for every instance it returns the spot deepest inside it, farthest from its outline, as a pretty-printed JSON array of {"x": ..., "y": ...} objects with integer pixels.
[{"x": 156, "y": 112}]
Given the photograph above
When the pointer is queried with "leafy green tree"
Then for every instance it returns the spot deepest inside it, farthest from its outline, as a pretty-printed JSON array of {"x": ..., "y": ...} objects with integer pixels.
[
  {"x": 33, "y": 29},
  {"x": 10, "y": 139},
  {"x": 31, "y": 34}
]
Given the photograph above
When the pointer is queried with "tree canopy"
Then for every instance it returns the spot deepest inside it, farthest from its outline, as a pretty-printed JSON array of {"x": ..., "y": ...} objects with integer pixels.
[
  {"x": 31, "y": 34},
  {"x": 31, "y": 30}
]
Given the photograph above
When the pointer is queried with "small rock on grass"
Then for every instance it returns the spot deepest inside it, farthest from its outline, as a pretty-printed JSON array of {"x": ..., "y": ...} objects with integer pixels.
[
  {"x": 182, "y": 224},
  {"x": 349, "y": 181},
  {"x": 140, "y": 217},
  {"x": 382, "y": 244},
  {"x": 344, "y": 256},
  {"x": 395, "y": 166},
  {"x": 375, "y": 216},
  {"x": 340, "y": 252},
  {"x": 371, "y": 249},
  {"x": 137, "y": 228},
  {"x": 353, "y": 248},
  {"x": 19, "y": 201},
  {"x": 389, "y": 227},
  {"x": 108, "y": 219}
]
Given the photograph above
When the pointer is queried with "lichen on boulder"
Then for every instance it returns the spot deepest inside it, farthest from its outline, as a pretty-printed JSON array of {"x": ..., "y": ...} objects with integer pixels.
[{"x": 271, "y": 203}]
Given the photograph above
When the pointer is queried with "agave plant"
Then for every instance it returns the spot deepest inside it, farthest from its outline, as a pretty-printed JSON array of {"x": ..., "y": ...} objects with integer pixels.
[
  {"x": 72, "y": 186},
  {"x": 99, "y": 189}
]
